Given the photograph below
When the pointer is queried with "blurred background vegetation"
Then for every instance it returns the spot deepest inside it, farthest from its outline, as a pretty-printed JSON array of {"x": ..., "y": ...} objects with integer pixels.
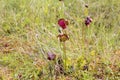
[{"x": 29, "y": 29}]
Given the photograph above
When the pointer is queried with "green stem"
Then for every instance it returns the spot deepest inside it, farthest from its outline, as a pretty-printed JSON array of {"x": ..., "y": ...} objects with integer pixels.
[
  {"x": 64, "y": 52},
  {"x": 83, "y": 37},
  {"x": 50, "y": 68}
]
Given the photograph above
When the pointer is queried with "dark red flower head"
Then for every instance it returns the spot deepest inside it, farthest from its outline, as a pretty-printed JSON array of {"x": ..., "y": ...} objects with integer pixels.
[
  {"x": 60, "y": 0},
  {"x": 88, "y": 20},
  {"x": 62, "y": 23},
  {"x": 51, "y": 56}
]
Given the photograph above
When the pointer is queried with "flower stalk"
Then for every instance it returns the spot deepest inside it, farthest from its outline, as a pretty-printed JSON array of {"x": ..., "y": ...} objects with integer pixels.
[
  {"x": 65, "y": 56},
  {"x": 63, "y": 37}
]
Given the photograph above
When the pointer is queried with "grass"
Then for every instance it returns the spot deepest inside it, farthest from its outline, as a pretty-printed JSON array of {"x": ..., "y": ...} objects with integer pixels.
[{"x": 29, "y": 30}]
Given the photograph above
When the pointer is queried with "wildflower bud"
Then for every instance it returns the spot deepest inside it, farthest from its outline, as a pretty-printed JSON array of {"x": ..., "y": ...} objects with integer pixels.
[
  {"x": 86, "y": 5},
  {"x": 51, "y": 56},
  {"x": 63, "y": 37},
  {"x": 62, "y": 23},
  {"x": 59, "y": 30},
  {"x": 88, "y": 20},
  {"x": 60, "y": 0}
]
